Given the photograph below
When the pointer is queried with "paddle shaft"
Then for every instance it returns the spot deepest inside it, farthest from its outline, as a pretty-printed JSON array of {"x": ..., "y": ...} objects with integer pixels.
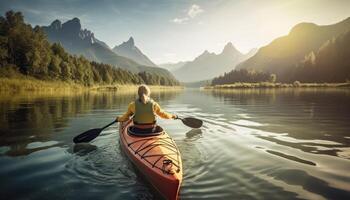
[
  {"x": 108, "y": 124},
  {"x": 90, "y": 134}
]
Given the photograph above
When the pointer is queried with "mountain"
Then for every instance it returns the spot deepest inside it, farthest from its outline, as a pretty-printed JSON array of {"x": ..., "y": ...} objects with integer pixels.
[
  {"x": 33, "y": 56},
  {"x": 250, "y": 53},
  {"x": 172, "y": 66},
  {"x": 285, "y": 52},
  {"x": 208, "y": 65},
  {"x": 71, "y": 35},
  {"x": 129, "y": 50},
  {"x": 330, "y": 63},
  {"x": 83, "y": 42}
]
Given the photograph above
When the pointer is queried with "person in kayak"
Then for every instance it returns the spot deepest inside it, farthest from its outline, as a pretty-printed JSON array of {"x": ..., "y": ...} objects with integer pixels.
[{"x": 144, "y": 110}]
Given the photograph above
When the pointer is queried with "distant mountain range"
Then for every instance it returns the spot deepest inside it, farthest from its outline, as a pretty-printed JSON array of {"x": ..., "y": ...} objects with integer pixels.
[
  {"x": 284, "y": 56},
  {"x": 285, "y": 53},
  {"x": 173, "y": 66},
  {"x": 208, "y": 65},
  {"x": 129, "y": 50},
  {"x": 83, "y": 42}
]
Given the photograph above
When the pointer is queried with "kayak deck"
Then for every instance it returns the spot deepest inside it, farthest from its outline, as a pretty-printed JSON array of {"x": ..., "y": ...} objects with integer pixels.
[{"x": 157, "y": 157}]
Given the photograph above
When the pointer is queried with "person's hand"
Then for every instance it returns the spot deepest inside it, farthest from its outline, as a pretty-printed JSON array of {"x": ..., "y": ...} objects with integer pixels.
[{"x": 175, "y": 117}]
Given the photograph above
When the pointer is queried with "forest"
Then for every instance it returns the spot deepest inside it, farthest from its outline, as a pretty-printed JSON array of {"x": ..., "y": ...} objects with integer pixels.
[
  {"x": 25, "y": 51},
  {"x": 244, "y": 75}
]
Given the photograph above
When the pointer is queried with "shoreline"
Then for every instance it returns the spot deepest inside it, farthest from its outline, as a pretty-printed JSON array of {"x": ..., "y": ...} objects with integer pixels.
[
  {"x": 266, "y": 85},
  {"x": 18, "y": 85}
]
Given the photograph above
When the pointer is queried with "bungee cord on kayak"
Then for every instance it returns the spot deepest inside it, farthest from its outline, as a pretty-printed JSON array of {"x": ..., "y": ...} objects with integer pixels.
[
  {"x": 145, "y": 145},
  {"x": 156, "y": 156}
]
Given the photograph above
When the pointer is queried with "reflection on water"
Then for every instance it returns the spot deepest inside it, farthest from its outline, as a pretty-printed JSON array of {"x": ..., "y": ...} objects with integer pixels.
[
  {"x": 290, "y": 157},
  {"x": 194, "y": 134},
  {"x": 317, "y": 118},
  {"x": 84, "y": 148},
  {"x": 31, "y": 118},
  {"x": 254, "y": 144}
]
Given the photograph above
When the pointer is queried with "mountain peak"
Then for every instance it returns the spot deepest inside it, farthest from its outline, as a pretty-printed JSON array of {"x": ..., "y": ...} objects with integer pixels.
[
  {"x": 128, "y": 44},
  {"x": 209, "y": 65},
  {"x": 230, "y": 49},
  {"x": 72, "y": 25},
  {"x": 129, "y": 50},
  {"x": 71, "y": 32},
  {"x": 229, "y": 45},
  {"x": 204, "y": 54},
  {"x": 131, "y": 41},
  {"x": 75, "y": 20},
  {"x": 303, "y": 27},
  {"x": 57, "y": 24}
]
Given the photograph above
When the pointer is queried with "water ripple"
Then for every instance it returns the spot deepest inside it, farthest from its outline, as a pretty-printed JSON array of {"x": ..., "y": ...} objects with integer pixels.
[{"x": 253, "y": 145}]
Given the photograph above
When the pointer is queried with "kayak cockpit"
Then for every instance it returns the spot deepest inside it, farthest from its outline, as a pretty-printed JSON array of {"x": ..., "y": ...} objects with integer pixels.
[{"x": 157, "y": 130}]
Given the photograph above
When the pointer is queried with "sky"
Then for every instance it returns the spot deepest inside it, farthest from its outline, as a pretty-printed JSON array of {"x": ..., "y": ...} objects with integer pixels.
[{"x": 179, "y": 30}]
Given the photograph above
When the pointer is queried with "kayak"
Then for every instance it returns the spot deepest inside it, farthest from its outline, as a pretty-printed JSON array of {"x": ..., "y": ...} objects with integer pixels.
[{"x": 156, "y": 156}]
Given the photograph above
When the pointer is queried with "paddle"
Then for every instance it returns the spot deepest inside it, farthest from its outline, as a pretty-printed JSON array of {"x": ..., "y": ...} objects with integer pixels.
[
  {"x": 191, "y": 122},
  {"x": 89, "y": 135}
]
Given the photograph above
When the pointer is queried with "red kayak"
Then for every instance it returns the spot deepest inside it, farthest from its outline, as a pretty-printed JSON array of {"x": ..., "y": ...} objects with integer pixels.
[{"x": 156, "y": 156}]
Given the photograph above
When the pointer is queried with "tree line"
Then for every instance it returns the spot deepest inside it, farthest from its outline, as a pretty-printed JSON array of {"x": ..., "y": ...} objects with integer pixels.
[
  {"x": 26, "y": 51},
  {"x": 244, "y": 75}
]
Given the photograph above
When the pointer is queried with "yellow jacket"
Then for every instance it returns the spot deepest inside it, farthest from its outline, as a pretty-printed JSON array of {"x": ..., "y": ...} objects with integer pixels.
[{"x": 156, "y": 109}]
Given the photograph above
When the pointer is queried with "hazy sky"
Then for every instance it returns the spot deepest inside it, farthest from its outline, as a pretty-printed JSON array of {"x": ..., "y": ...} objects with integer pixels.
[{"x": 174, "y": 30}]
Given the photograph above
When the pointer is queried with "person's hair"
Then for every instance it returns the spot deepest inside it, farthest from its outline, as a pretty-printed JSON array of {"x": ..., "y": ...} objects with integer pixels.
[{"x": 144, "y": 92}]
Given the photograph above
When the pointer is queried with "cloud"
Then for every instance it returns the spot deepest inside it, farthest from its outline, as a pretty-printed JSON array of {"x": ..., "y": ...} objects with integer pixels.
[
  {"x": 192, "y": 12},
  {"x": 34, "y": 11},
  {"x": 200, "y": 23},
  {"x": 180, "y": 20}
]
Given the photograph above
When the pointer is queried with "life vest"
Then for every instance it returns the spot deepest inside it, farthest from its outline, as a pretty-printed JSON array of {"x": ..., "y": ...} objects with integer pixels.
[{"x": 144, "y": 114}]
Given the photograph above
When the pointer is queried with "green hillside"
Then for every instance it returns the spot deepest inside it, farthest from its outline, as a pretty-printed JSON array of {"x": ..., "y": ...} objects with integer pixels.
[
  {"x": 330, "y": 63},
  {"x": 285, "y": 52}
]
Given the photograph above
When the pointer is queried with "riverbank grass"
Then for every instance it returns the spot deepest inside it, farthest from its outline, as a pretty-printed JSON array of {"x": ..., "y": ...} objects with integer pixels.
[
  {"x": 296, "y": 84},
  {"x": 32, "y": 84}
]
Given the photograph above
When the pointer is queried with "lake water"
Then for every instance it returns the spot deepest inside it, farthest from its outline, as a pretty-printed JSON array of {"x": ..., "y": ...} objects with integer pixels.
[{"x": 254, "y": 144}]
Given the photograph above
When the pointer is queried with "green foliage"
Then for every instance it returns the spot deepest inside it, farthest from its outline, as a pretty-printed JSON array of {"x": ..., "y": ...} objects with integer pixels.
[
  {"x": 10, "y": 71},
  {"x": 24, "y": 50},
  {"x": 242, "y": 75},
  {"x": 3, "y": 50},
  {"x": 155, "y": 79}
]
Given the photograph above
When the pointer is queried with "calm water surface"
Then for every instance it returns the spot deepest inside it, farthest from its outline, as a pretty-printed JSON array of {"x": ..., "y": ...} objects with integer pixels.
[{"x": 254, "y": 144}]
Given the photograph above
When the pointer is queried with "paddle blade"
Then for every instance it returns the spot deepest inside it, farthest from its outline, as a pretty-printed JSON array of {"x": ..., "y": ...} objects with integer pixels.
[
  {"x": 87, "y": 136},
  {"x": 192, "y": 122}
]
